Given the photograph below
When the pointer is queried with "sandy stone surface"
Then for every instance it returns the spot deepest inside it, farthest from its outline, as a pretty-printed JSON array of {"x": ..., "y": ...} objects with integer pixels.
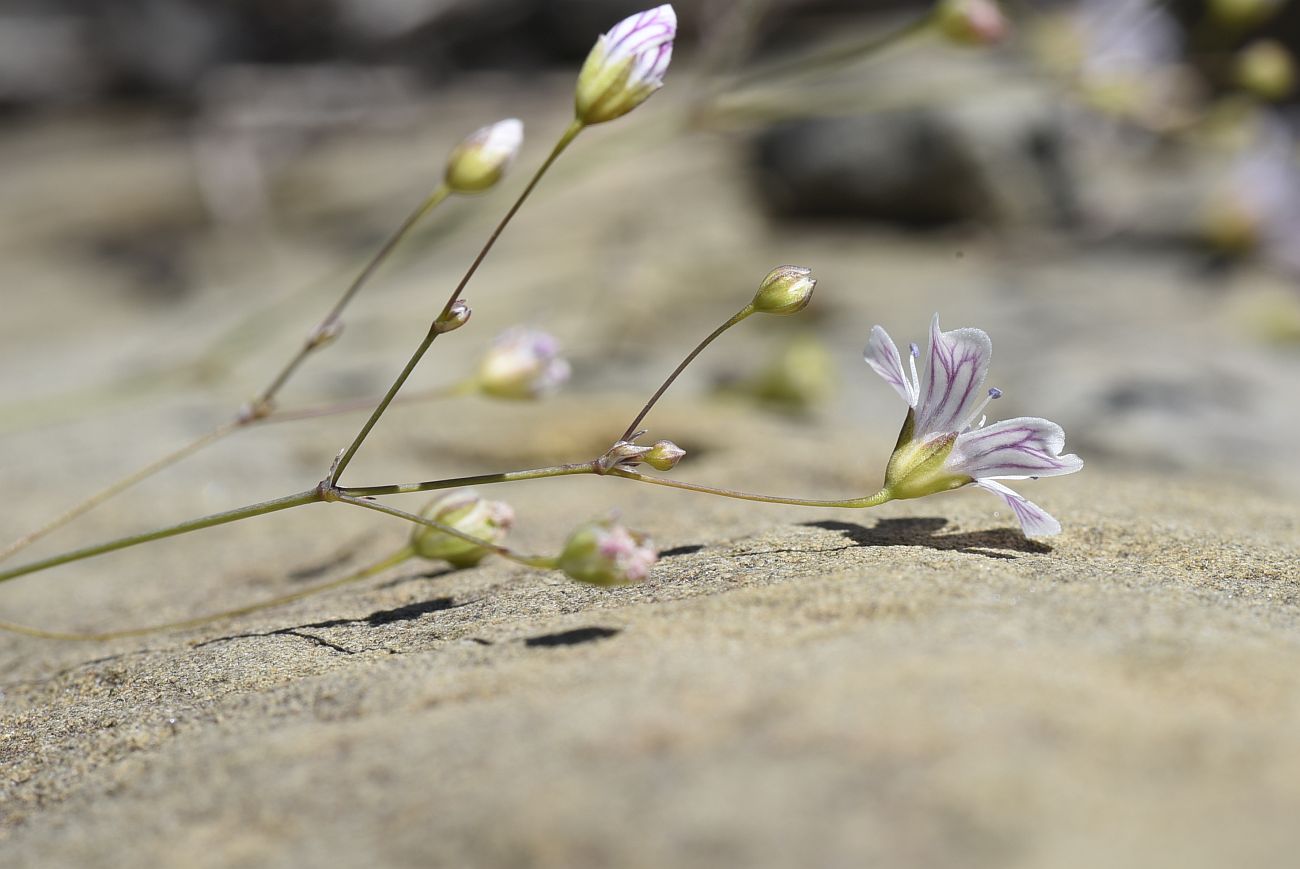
[{"x": 916, "y": 685}]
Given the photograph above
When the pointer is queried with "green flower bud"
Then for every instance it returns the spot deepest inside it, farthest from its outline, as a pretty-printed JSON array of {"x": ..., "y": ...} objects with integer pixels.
[
  {"x": 483, "y": 157},
  {"x": 603, "y": 552},
  {"x": 785, "y": 290},
  {"x": 663, "y": 455},
  {"x": 467, "y": 512},
  {"x": 626, "y": 66},
  {"x": 1265, "y": 68}
]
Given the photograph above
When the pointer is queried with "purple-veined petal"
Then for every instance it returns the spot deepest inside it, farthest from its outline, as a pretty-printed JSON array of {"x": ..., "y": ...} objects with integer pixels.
[
  {"x": 1034, "y": 520},
  {"x": 643, "y": 35},
  {"x": 1013, "y": 449},
  {"x": 955, "y": 368},
  {"x": 882, "y": 355}
]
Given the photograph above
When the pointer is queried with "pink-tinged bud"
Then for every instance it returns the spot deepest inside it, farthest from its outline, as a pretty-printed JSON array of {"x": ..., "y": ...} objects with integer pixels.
[
  {"x": 483, "y": 157},
  {"x": 457, "y": 315},
  {"x": 467, "y": 512},
  {"x": 663, "y": 455},
  {"x": 785, "y": 290},
  {"x": 626, "y": 65},
  {"x": 522, "y": 364},
  {"x": 972, "y": 22},
  {"x": 603, "y": 552}
]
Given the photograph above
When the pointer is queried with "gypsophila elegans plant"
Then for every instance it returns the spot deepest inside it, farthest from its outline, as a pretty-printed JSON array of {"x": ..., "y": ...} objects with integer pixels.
[{"x": 942, "y": 446}]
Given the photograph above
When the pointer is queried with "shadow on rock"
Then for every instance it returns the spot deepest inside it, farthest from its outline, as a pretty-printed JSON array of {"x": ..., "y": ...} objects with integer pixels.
[
  {"x": 574, "y": 637},
  {"x": 994, "y": 543}
]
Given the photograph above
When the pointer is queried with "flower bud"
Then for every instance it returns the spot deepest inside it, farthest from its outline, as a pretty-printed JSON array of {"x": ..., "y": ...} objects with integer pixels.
[
  {"x": 325, "y": 334},
  {"x": 603, "y": 552},
  {"x": 482, "y": 158},
  {"x": 971, "y": 22},
  {"x": 1243, "y": 13},
  {"x": 626, "y": 65},
  {"x": 1265, "y": 68},
  {"x": 522, "y": 364},
  {"x": 785, "y": 290},
  {"x": 468, "y": 512},
  {"x": 456, "y": 316},
  {"x": 663, "y": 455}
]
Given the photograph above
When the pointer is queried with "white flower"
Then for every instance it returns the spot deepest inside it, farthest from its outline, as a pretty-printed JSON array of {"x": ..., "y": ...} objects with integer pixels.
[
  {"x": 626, "y": 65},
  {"x": 483, "y": 156},
  {"x": 523, "y": 363},
  {"x": 943, "y": 446}
]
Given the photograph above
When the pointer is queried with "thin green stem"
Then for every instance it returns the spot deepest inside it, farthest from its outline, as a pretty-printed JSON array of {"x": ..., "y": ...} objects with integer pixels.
[
  {"x": 357, "y": 404},
  {"x": 699, "y": 348},
  {"x": 543, "y": 561},
  {"x": 321, "y": 335},
  {"x": 871, "y": 501},
  {"x": 184, "y": 624},
  {"x": 308, "y": 497},
  {"x": 802, "y": 67},
  {"x": 480, "y": 480},
  {"x": 260, "y": 410},
  {"x": 346, "y": 457},
  {"x": 116, "y": 488}
]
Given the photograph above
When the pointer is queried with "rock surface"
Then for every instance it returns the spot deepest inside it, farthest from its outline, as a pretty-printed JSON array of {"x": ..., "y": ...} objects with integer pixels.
[{"x": 915, "y": 686}]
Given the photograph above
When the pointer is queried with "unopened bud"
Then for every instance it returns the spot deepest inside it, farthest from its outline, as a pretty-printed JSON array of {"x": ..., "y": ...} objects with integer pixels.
[
  {"x": 455, "y": 317},
  {"x": 603, "y": 552},
  {"x": 1265, "y": 68},
  {"x": 482, "y": 158},
  {"x": 626, "y": 65},
  {"x": 1243, "y": 13},
  {"x": 325, "y": 334},
  {"x": 785, "y": 290},
  {"x": 467, "y": 512},
  {"x": 971, "y": 22},
  {"x": 522, "y": 364},
  {"x": 663, "y": 455}
]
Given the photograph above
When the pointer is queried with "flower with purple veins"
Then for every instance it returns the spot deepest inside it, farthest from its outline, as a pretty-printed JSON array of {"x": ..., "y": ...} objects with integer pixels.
[
  {"x": 626, "y": 65},
  {"x": 522, "y": 364},
  {"x": 945, "y": 444}
]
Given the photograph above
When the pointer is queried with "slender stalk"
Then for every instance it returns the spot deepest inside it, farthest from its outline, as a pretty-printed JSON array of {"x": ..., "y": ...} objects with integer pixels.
[
  {"x": 260, "y": 410},
  {"x": 356, "y": 404},
  {"x": 112, "y": 490},
  {"x": 480, "y": 480},
  {"x": 871, "y": 501},
  {"x": 543, "y": 561},
  {"x": 346, "y": 457},
  {"x": 699, "y": 348},
  {"x": 320, "y": 336},
  {"x": 184, "y": 624},
  {"x": 308, "y": 497},
  {"x": 801, "y": 67}
]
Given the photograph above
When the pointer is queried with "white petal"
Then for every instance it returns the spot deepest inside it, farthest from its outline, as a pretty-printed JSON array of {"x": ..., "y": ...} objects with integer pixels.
[
  {"x": 955, "y": 368},
  {"x": 642, "y": 34},
  {"x": 1013, "y": 449},
  {"x": 1034, "y": 520},
  {"x": 882, "y": 355}
]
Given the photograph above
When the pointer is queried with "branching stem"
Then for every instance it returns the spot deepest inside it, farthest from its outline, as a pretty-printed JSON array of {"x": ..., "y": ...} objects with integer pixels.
[{"x": 346, "y": 457}]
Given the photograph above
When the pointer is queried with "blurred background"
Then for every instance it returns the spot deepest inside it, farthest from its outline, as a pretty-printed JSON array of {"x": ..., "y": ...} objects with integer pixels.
[{"x": 1109, "y": 187}]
